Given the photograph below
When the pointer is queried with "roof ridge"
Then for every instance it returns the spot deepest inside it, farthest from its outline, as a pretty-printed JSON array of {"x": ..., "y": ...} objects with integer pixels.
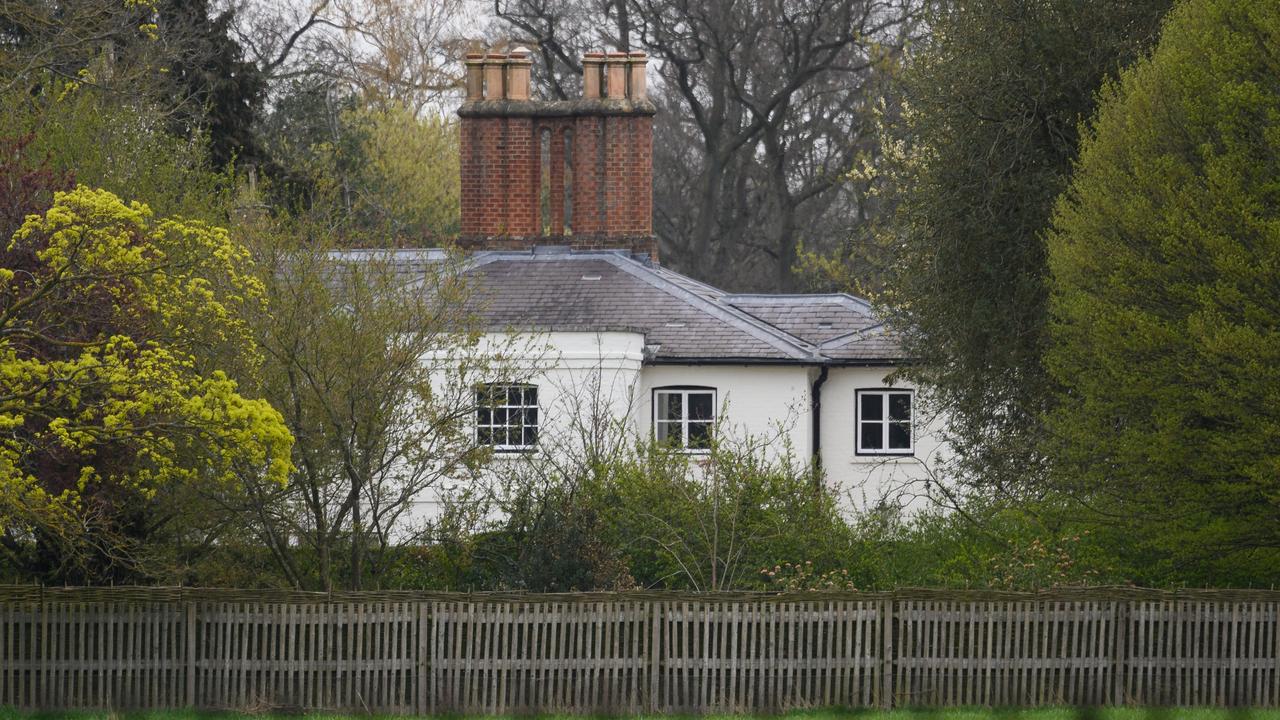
[
  {"x": 844, "y": 297},
  {"x": 668, "y": 271},
  {"x": 860, "y": 334},
  {"x": 759, "y": 329}
]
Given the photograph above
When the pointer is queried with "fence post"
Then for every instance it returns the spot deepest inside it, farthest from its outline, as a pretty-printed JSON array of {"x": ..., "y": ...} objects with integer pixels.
[
  {"x": 191, "y": 652},
  {"x": 1118, "y": 651},
  {"x": 655, "y": 654},
  {"x": 886, "y": 654},
  {"x": 423, "y": 656},
  {"x": 44, "y": 650}
]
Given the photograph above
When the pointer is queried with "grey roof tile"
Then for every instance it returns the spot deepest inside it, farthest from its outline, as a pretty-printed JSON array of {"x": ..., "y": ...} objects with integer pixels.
[
  {"x": 875, "y": 343},
  {"x": 814, "y": 318},
  {"x": 682, "y": 319}
]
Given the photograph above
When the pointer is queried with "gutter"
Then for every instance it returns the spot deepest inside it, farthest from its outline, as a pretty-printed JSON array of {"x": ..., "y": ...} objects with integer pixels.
[
  {"x": 778, "y": 362},
  {"x": 815, "y": 397}
]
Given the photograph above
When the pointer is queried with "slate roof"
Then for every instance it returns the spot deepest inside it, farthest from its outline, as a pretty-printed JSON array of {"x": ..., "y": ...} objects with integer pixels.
[
  {"x": 682, "y": 319},
  {"x": 813, "y": 318},
  {"x": 873, "y": 343}
]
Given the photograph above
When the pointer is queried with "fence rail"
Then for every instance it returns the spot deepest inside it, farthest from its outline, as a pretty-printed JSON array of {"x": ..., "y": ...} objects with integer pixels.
[{"x": 430, "y": 653}]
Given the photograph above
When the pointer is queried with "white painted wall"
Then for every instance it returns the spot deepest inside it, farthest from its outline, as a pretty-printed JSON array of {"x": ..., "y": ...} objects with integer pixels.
[
  {"x": 759, "y": 401},
  {"x": 583, "y": 375},
  {"x": 867, "y": 480},
  {"x": 577, "y": 374},
  {"x": 580, "y": 374},
  {"x": 774, "y": 402}
]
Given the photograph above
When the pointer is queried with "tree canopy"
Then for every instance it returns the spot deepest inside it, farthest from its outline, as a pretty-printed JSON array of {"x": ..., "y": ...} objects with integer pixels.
[
  {"x": 1164, "y": 257},
  {"x": 109, "y": 319},
  {"x": 975, "y": 156}
]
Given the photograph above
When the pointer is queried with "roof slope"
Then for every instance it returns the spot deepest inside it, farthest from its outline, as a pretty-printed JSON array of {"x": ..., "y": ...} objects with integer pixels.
[
  {"x": 814, "y": 318},
  {"x": 682, "y": 319}
]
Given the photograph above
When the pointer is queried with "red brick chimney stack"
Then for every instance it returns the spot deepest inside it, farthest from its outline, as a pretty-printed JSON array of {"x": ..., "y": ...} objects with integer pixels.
[{"x": 570, "y": 172}]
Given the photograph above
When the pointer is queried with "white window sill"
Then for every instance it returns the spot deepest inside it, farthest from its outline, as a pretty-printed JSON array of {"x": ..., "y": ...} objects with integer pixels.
[
  {"x": 870, "y": 458},
  {"x": 512, "y": 453}
]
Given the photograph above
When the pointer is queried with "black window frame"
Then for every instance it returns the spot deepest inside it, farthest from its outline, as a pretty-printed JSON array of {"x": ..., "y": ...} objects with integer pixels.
[
  {"x": 685, "y": 391},
  {"x": 885, "y": 421},
  {"x": 506, "y": 407}
]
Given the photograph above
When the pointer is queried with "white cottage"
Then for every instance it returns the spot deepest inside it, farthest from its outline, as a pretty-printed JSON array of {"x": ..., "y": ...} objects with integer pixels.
[{"x": 557, "y": 220}]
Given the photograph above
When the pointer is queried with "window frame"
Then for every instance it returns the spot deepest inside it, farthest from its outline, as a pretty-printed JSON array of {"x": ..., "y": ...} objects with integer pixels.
[
  {"x": 684, "y": 391},
  {"x": 885, "y": 422},
  {"x": 508, "y": 448}
]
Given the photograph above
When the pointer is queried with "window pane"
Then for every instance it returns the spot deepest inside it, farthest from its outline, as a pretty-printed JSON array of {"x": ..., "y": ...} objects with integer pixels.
[
  {"x": 531, "y": 416},
  {"x": 500, "y": 417},
  {"x": 900, "y": 406},
  {"x": 513, "y": 395},
  {"x": 872, "y": 407},
  {"x": 669, "y": 406},
  {"x": 872, "y": 436},
  {"x": 484, "y": 436},
  {"x": 701, "y": 406},
  {"x": 483, "y": 416},
  {"x": 482, "y": 396},
  {"x": 699, "y": 434},
  {"x": 669, "y": 432},
  {"x": 899, "y": 436},
  {"x": 530, "y": 436},
  {"x": 531, "y": 397}
]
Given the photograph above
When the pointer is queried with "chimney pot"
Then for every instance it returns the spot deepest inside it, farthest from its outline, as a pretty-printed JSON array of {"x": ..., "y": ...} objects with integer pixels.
[
  {"x": 592, "y": 64},
  {"x": 636, "y": 63},
  {"x": 494, "y": 72},
  {"x": 616, "y": 63},
  {"x": 475, "y": 75},
  {"x": 518, "y": 69}
]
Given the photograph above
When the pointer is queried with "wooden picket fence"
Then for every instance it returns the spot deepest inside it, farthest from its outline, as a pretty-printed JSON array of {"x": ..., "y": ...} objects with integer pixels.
[{"x": 432, "y": 653}]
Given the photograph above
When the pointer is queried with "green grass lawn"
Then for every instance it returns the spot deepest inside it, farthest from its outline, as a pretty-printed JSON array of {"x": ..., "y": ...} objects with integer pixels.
[{"x": 965, "y": 714}]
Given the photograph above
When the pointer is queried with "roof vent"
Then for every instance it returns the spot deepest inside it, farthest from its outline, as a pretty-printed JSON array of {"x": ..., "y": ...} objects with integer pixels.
[
  {"x": 675, "y": 324},
  {"x": 590, "y": 277},
  {"x": 824, "y": 326}
]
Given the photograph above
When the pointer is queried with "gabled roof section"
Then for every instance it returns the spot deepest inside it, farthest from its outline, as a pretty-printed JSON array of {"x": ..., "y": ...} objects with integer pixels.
[{"x": 683, "y": 320}]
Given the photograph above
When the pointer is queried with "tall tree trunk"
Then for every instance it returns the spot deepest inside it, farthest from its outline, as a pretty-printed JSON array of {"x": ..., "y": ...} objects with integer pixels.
[
  {"x": 700, "y": 258},
  {"x": 785, "y": 241},
  {"x": 357, "y": 543},
  {"x": 784, "y": 236},
  {"x": 624, "y": 26},
  {"x": 326, "y": 564}
]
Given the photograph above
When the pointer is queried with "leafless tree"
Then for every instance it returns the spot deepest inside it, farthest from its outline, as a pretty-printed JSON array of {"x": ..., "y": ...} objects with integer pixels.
[
  {"x": 375, "y": 374},
  {"x": 765, "y": 107},
  {"x": 404, "y": 51}
]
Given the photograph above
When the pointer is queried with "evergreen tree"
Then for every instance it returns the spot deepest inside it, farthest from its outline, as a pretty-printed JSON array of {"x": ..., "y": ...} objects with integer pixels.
[
  {"x": 222, "y": 92},
  {"x": 982, "y": 147},
  {"x": 1165, "y": 328}
]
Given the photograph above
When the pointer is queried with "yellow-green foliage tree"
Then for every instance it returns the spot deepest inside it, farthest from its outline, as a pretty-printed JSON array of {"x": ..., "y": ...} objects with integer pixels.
[
  {"x": 121, "y": 342},
  {"x": 377, "y": 170},
  {"x": 411, "y": 170},
  {"x": 1165, "y": 326},
  {"x": 118, "y": 144}
]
